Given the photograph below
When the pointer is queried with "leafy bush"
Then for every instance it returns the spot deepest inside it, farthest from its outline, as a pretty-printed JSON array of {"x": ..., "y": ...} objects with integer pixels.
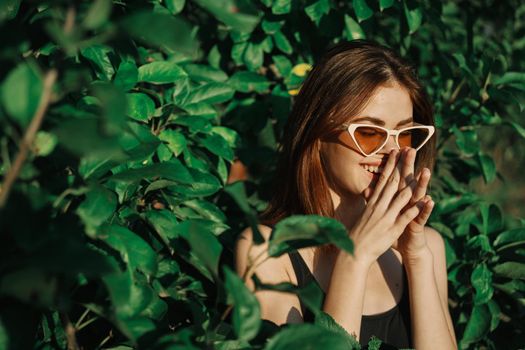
[{"x": 120, "y": 122}]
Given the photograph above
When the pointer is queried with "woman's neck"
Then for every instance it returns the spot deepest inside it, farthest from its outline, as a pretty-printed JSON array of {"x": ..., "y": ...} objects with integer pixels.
[{"x": 348, "y": 208}]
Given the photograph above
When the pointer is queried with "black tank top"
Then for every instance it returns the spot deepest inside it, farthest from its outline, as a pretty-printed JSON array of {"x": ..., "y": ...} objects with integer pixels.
[{"x": 392, "y": 326}]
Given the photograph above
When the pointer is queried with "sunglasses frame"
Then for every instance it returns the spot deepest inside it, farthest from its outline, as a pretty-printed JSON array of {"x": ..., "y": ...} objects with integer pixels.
[{"x": 350, "y": 128}]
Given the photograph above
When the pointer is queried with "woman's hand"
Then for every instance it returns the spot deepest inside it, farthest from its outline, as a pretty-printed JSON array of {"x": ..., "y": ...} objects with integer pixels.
[
  {"x": 387, "y": 213},
  {"x": 413, "y": 242}
]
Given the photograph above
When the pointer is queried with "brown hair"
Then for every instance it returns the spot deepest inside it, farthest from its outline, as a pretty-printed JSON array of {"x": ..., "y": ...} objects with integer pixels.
[{"x": 338, "y": 87}]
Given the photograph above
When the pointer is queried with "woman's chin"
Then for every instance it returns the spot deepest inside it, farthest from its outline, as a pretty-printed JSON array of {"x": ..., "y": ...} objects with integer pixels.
[{"x": 369, "y": 189}]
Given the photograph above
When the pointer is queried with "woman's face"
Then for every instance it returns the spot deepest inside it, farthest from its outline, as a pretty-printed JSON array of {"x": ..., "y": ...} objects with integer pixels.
[{"x": 349, "y": 171}]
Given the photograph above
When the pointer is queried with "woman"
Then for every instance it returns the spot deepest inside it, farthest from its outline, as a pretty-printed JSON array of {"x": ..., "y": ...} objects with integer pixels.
[{"x": 359, "y": 147}]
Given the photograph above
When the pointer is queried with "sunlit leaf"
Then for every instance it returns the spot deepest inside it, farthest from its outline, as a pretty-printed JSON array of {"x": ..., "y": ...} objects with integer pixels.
[
  {"x": 21, "y": 92},
  {"x": 246, "y": 310},
  {"x": 361, "y": 9},
  {"x": 299, "y": 231}
]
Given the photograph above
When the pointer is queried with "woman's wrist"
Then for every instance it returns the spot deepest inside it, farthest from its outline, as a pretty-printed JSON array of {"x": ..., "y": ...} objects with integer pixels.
[
  {"x": 353, "y": 261},
  {"x": 421, "y": 259}
]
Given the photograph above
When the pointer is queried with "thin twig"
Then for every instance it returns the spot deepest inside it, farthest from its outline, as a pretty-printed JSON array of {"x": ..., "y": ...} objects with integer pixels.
[
  {"x": 29, "y": 136},
  {"x": 81, "y": 318},
  {"x": 105, "y": 340},
  {"x": 87, "y": 323},
  {"x": 455, "y": 94},
  {"x": 69, "y": 329}
]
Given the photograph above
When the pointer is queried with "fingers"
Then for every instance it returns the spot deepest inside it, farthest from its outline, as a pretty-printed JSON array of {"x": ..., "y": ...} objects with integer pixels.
[
  {"x": 390, "y": 166},
  {"x": 391, "y": 185},
  {"x": 421, "y": 186},
  {"x": 419, "y": 213},
  {"x": 408, "y": 215},
  {"x": 402, "y": 198},
  {"x": 407, "y": 167},
  {"x": 423, "y": 216}
]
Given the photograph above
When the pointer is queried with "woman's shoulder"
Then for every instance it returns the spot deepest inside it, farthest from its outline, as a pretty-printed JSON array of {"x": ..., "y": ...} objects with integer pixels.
[
  {"x": 248, "y": 252},
  {"x": 435, "y": 241}
]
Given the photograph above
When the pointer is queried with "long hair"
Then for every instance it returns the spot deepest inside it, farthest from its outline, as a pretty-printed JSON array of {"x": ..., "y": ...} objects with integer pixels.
[{"x": 338, "y": 87}]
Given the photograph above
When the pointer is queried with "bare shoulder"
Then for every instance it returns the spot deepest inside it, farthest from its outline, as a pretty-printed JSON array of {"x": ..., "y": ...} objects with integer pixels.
[
  {"x": 435, "y": 241},
  {"x": 278, "y": 307},
  {"x": 247, "y": 252}
]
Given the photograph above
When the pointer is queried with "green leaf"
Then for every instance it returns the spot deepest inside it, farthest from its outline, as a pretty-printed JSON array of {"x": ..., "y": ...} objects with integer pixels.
[
  {"x": 283, "y": 64},
  {"x": 281, "y": 7},
  {"x": 165, "y": 223},
  {"x": 384, "y": 4},
  {"x": 477, "y": 326},
  {"x": 98, "y": 56},
  {"x": 362, "y": 11},
  {"x": 326, "y": 321},
  {"x": 414, "y": 17},
  {"x": 270, "y": 27},
  {"x": 282, "y": 42},
  {"x": 171, "y": 170},
  {"x": 210, "y": 93},
  {"x": 510, "y": 238},
  {"x": 194, "y": 123},
  {"x": 249, "y": 81},
  {"x": 21, "y": 93},
  {"x": 206, "y": 210},
  {"x": 229, "y": 135},
  {"x": 520, "y": 129},
  {"x": 44, "y": 143},
  {"x": 99, "y": 205},
  {"x": 134, "y": 251},
  {"x": 128, "y": 298},
  {"x": 8, "y": 11},
  {"x": 150, "y": 29},
  {"x": 161, "y": 72},
  {"x": 246, "y": 309},
  {"x": 467, "y": 141},
  {"x": 301, "y": 231},
  {"x": 481, "y": 279},
  {"x": 317, "y": 10},
  {"x": 227, "y": 12},
  {"x": 510, "y": 78},
  {"x": 491, "y": 216},
  {"x": 204, "y": 184},
  {"x": 495, "y": 311},
  {"x": 217, "y": 145},
  {"x": 510, "y": 269},
  {"x": 253, "y": 56},
  {"x": 203, "y": 73},
  {"x": 175, "y": 6},
  {"x": 353, "y": 29},
  {"x": 98, "y": 14},
  {"x": 204, "y": 245},
  {"x": 113, "y": 106},
  {"x": 140, "y": 106},
  {"x": 295, "y": 336},
  {"x": 488, "y": 167},
  {"x": 176, "y": 141},
  {"x": 126, "y": 76},
  {"x": 214, "y": 57}
]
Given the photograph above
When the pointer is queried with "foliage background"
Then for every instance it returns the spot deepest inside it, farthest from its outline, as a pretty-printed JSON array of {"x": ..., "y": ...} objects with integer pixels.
[{"x": 120, "y": 122}]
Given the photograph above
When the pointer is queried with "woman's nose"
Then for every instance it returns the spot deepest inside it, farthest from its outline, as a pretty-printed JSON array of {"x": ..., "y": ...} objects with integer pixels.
[{"x": 390, "y": 144}]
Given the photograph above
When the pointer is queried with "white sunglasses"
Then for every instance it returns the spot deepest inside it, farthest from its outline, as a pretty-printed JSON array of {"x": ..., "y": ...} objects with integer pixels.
[{"x": 370, "y": 139}]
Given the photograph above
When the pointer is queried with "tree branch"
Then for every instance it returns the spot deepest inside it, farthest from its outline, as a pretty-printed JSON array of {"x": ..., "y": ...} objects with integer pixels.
[{"x": 29, "y": 137}]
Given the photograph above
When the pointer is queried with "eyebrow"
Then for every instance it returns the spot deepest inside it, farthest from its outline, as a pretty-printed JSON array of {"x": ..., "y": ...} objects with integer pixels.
[{"x": 380, "y": 122}]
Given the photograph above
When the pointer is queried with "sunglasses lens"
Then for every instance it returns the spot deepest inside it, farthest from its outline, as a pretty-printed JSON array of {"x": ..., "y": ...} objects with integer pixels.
[
  {"x": 413, "y": 138},
  {"x": 370, "y": 138}
]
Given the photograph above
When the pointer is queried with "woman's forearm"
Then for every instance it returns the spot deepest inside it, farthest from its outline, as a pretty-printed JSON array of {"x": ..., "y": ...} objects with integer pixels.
[
  {"x": 345, "y": 295},
  {"x": 429, "y": 324}
]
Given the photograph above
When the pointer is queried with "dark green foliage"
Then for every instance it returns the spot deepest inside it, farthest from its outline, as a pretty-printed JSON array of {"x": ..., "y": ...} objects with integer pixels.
[{"x": 118, "y": 231}]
